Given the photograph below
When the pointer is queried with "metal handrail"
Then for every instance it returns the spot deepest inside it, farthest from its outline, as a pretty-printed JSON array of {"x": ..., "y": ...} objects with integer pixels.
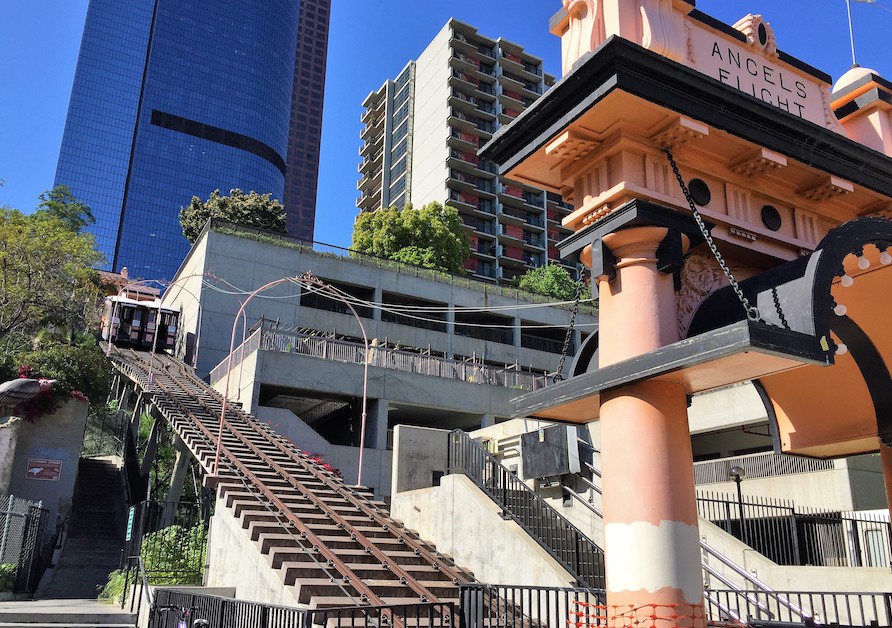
[
  {"x": 755, "y": 581},
  {"x": 555, "y": 533},
  {"x": 144, "y": 585},
  {"x": 584, "y": 501},
  {"x": 747, "y": 576}
]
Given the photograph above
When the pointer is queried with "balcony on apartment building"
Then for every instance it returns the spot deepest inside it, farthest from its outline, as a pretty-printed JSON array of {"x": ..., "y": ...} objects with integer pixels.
[
  {"x": 369, "y": 179},
  {"x": 464, "y": 139},
  {"x": 472, "y": 45},
  {"x": 468, "y": 122},
  {"x": 462, "y": 181},
  {"x": 513, "y": 61},
  {"x": 370, "y": 200},
  {"x": 467, "y": 202},
  {"x": 511, "y": 82},
  {"x": 464, "y": 80}
]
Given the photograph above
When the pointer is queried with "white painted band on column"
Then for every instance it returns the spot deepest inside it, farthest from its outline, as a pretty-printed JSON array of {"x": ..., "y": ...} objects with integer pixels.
[{"x": 642, "y": 556}]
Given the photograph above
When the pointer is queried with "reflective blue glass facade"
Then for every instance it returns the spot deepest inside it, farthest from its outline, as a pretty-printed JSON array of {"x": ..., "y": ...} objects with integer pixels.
[{"x": 175, "y": 98}]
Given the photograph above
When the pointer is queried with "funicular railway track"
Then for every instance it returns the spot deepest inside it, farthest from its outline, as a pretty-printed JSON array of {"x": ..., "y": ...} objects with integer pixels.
[{"x": 328, "y": 540}]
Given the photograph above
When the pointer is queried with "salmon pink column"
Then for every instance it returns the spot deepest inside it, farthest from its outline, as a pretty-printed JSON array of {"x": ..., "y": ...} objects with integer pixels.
[{"x": 650, "y": 515}]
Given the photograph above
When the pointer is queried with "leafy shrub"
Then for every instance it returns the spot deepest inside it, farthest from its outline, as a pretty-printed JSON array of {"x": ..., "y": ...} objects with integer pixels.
[
  {"x": 80, "y": 367},
  {"x": 113, "y": 591},
  {"x": 171, "y": 556},
  {"x": 7, "y": 576}
]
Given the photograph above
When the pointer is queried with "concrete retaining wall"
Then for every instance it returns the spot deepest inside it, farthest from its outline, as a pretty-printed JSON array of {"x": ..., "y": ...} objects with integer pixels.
[
  {"x": 235, "y": 562},
  {"x": 466, "y": 524},
  {"x": 56, "y": 437}
]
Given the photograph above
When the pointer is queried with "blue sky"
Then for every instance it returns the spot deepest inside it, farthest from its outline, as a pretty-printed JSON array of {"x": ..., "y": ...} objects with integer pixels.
[{"x": 370, "y": 41}]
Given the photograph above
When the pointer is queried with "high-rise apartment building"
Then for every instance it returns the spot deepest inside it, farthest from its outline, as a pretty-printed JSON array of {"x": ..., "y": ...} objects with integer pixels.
[
  {"x": 420, "y": 140},
  {"x": 172, "y": 99}
]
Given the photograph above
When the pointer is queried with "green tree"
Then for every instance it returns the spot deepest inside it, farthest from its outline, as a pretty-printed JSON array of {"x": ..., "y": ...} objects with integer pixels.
[
  {"x": 46, "y": 268},
  {"x": 78, "y": 367},
  {"x": 550, "y": 280},
  {"x": 62, "y": 204},
  {"x": 251, "y": 209},
  {"x": 430, "y": 237}
]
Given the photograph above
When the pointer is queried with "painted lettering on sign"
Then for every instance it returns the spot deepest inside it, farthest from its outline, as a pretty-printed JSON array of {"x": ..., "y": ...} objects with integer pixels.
[
  {"x": 751, "y": 71},
  {"x": 761, "y": 79},
  {"x": 44, "y": 469}
]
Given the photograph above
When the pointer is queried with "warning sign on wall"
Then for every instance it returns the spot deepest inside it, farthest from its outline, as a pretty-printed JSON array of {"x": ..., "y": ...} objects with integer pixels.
[{"x": 43, "y": 469}]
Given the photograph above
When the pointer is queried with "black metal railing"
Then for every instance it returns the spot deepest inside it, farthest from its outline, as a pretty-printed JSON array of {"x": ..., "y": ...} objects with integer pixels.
[
  {"x": 171, "y": 539},
  {"x": 170, "y": 606},
  {"x": 522, "y": 606},
  {"x": 776, "y": 529},
  {"x": 104, "y": 433},
  {"x": 557, "y": 535},
  {"x": 37, "y": 544},
  {"x": 843, "y": 609}
]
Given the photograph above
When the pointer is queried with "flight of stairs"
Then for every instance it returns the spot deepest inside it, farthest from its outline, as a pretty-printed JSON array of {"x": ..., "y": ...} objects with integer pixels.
[
  {"x": 95, "y": 534},
  {"x": 304, "y": 571}
]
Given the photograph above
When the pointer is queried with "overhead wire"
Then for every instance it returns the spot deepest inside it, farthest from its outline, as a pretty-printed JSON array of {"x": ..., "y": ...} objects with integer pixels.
[{"x": 405, "y": 311}]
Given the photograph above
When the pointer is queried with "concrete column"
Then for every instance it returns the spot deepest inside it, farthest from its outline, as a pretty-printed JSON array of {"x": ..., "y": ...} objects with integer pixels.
[
  {"x": 515, "y": 322},
  {"x": 376, "y": 424},
  {"x": 9, "y": 437},
  {"x": 650, "y": 515},
  {"x": 377, "y": 297},
  {"x": 181, "y": 466},
  {"x": 886, "y": 457},
  {"x": 450, "y": 330},
  {"x": 487, "y": 420}
]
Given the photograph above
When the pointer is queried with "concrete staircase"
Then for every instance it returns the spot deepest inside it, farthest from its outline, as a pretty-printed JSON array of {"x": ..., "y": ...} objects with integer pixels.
[
  {"x": 63, "y": 614},
  {"x": 95, "y": 535},
  {"x": 308, "y": 574}
]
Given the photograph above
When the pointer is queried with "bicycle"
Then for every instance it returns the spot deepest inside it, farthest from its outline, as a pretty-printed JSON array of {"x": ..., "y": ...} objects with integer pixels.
[{"x": 183, "y": 621}]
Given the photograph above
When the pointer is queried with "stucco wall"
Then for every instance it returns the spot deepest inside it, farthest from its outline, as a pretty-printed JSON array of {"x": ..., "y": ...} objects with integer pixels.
[
  {"x": 418, "y": 453},
  {"x": 234, "y": 561},
  {"x": 57, "y": 436},
  {"x": 466, "y": 524}
]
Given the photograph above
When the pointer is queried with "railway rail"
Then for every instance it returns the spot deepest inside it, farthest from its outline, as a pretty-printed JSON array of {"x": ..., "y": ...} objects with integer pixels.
[{"x": 330, "y": 542}]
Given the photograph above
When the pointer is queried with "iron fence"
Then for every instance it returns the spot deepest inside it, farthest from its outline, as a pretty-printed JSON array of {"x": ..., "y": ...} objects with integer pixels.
[
  {"x": 105, "y": 432},
  {"x": 777, "y": 530},
  {"x": 171, "y": 538},
  {"x": 841, "y": 609},
  {"x": 757, "y": 466},
  {"x": 170, "y": 606},
  {"x": 560, "y": 538},
  {"x": 483, "y": 605},
  {"x": 406, "y": 361},
  {"x": 27, "y": 541},
  {"x": 510, "y": 606}
]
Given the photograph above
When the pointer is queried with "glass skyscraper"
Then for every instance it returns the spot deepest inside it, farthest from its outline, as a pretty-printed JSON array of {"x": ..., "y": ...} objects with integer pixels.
[{"x": 175, "y": 98}]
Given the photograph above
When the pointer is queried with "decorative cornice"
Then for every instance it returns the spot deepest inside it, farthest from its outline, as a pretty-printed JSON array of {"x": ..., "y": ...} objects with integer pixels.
[{"x": 621, "y": 65}]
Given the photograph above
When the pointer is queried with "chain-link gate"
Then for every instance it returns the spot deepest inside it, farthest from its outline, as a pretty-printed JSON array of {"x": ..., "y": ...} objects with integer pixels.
[{"x": 25, "y": 541}]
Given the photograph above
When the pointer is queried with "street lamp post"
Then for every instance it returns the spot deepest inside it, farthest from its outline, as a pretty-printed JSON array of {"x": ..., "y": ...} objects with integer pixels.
[
  {"x": 310, "y": 279},
  {"x": 240, "y": 312},
  {"x": 737, "y": 474}
]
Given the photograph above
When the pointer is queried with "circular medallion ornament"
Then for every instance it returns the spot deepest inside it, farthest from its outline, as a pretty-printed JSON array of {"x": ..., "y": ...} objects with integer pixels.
[
  {"x": 700, "y": 192},
  {"x": 771, "y": 218}
]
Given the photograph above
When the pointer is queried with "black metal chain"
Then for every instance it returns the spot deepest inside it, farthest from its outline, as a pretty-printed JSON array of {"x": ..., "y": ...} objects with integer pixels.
[
  {"x": 752, "y": 312},
  {"x": 580, "y": 286},
  {"x": 777, "y": 308}
]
